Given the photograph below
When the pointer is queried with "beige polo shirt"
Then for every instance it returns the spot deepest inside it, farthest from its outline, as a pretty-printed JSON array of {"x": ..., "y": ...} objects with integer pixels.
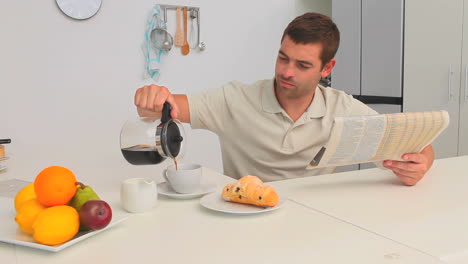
[{"x": 257, "y": 136}]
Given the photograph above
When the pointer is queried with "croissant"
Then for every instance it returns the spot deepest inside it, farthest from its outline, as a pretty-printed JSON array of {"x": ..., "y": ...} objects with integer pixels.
[{"x": 250, "y": 190}]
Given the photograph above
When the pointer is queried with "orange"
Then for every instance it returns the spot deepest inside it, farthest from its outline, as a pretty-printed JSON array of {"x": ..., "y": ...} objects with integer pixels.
[
  {"x": 24, "y": 195},
  {"x": 55, "y": 186},
  {"x": 27, "y": 213},
  {"x": 56, "y": 225}
]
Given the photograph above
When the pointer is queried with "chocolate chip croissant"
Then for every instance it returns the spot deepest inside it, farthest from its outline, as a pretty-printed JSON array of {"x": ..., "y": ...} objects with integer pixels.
[{"x": 250, "y": 190}]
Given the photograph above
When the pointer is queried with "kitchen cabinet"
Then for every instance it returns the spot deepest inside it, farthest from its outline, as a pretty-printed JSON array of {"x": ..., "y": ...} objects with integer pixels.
[
  {"x": 364, "y": 69},
  {"x": 434, "y": 69},
  {"x": 346, "y": 74},
  {"x": 407, "y": 56},
  {"x": 463, "y": 123}
]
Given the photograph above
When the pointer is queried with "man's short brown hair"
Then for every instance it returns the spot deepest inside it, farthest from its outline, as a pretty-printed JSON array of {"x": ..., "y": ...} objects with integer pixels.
[{"x": 315, "y": 28}]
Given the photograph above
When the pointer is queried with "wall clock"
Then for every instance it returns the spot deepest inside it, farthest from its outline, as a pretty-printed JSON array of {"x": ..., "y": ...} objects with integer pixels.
[{"x": 79, "y": 9}]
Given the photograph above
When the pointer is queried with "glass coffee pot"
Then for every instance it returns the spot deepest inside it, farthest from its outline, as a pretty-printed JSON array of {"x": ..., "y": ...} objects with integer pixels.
[{"x": 149, "y": 140}]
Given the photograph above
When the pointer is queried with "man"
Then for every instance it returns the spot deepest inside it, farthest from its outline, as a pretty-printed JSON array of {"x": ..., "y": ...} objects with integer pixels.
[{"x": 274, "y": 128}]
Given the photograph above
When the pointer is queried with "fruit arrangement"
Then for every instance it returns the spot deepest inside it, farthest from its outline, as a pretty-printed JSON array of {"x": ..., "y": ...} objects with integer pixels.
[{"x": 56, "y": 207}]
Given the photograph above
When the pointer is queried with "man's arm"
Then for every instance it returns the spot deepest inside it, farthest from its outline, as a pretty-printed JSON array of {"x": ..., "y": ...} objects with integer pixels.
[
  {"x": 414, "y": 167},
  {"x": 150, "y": 100}
]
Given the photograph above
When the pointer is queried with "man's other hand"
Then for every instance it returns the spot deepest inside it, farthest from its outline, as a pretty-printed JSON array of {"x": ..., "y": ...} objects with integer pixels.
[{"x": 414, "y": 167}]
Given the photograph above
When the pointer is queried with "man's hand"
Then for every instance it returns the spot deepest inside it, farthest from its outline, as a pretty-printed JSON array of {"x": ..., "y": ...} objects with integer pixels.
[
  {"x": 414, "y": 167},
  {"x": 150, "y": 100}
]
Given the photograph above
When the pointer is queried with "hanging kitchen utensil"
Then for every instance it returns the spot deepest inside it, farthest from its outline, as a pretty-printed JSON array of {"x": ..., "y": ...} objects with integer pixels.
[
  {"x": 185, "y": 47},
  {"x": 179, "y": 35},
  {"x": 193, "y": 41},
  {"x": 161, "y": 39},
  {"x": 201, "y": 45}
]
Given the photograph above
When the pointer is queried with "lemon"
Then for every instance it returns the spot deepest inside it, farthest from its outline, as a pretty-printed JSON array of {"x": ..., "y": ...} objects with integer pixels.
[
  {"x": 27, "y": 213},
  {"x": 56, "y": 225},
  {"x": 25, "y": 194}
]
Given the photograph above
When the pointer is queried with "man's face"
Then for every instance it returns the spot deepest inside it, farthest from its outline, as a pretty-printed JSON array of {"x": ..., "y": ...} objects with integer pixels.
[{"x": 299, "y": 69}]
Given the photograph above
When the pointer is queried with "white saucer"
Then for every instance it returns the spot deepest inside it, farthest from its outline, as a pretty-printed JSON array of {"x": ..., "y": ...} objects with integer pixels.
[
  {"x": 165, "y": 189},
  {"x": 214, "y": 202}
]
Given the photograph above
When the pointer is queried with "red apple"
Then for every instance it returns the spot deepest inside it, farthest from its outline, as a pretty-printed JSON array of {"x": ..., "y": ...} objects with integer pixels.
[{"x": 95, "y": 214}]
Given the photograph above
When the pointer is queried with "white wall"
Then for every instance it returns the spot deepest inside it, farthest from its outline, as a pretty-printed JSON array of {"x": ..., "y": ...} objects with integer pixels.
[{"x": 67, "y": 86}]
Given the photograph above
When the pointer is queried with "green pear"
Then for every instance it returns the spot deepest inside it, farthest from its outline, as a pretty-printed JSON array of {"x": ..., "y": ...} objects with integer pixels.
[{"x": 83, "y": 194}]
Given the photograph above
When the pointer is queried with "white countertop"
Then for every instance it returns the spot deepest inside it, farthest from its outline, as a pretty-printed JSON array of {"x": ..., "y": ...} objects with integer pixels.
[
  {"x": 431, "y": 216},
  {"x": 355, "y": 217}
]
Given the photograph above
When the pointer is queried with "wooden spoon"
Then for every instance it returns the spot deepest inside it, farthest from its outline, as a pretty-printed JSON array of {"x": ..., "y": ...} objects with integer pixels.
[
  {"x": 185, "y": 48},
  {"x": 179, "y": 37}
]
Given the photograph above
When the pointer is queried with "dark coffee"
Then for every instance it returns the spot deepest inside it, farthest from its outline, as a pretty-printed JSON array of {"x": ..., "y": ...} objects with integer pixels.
[{"x": 142, "y": 155}]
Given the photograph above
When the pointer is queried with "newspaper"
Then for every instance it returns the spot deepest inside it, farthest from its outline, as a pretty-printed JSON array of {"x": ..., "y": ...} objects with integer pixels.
[{"x": 361, "y": 139}]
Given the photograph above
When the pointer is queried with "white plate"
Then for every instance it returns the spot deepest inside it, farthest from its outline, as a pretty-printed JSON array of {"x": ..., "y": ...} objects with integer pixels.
[
  {"x": 215, "y": 202},
  {"x": 12, "y": 234},
  {"x": 165, "y": 189}
]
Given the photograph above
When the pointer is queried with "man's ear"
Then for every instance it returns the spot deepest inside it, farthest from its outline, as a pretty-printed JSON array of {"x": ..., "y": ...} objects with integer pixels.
[{"x": 328, "y": 68}]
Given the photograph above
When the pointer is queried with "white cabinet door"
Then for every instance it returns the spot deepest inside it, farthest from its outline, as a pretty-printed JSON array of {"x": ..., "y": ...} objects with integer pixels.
[
  {"x": 382, "y": 47},
  {"x": 463, "y": 132},
  {"x": 463, "y": 120},
  {"x": 346, "y": 75},
  {"x": 433, "y": 43}
]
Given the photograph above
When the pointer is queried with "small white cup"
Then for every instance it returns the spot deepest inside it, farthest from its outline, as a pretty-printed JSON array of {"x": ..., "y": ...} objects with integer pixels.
[
  {"x": 184, "y": 180},
  {"x": 138, "y": 195}
]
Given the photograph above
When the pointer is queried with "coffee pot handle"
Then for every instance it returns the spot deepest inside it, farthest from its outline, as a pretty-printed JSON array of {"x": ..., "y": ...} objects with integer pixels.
[{"x": 166, "y": 112}]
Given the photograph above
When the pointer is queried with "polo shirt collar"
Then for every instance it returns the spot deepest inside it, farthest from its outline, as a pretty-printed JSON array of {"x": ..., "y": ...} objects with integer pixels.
[
  {"x": 318, "y": 107},
  {"x": 271, "y": 105},
  {"x": 269, "y": 102}
]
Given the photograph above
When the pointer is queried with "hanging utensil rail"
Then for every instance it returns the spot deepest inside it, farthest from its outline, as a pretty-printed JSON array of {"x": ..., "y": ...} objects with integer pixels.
[{"x": 194, "y": 9}]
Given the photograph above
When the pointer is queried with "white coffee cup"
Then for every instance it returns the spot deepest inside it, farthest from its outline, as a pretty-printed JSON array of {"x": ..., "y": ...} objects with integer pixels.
[
  {"x": 138, "y": 195},
  {"x": 184, "y": 180}
]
